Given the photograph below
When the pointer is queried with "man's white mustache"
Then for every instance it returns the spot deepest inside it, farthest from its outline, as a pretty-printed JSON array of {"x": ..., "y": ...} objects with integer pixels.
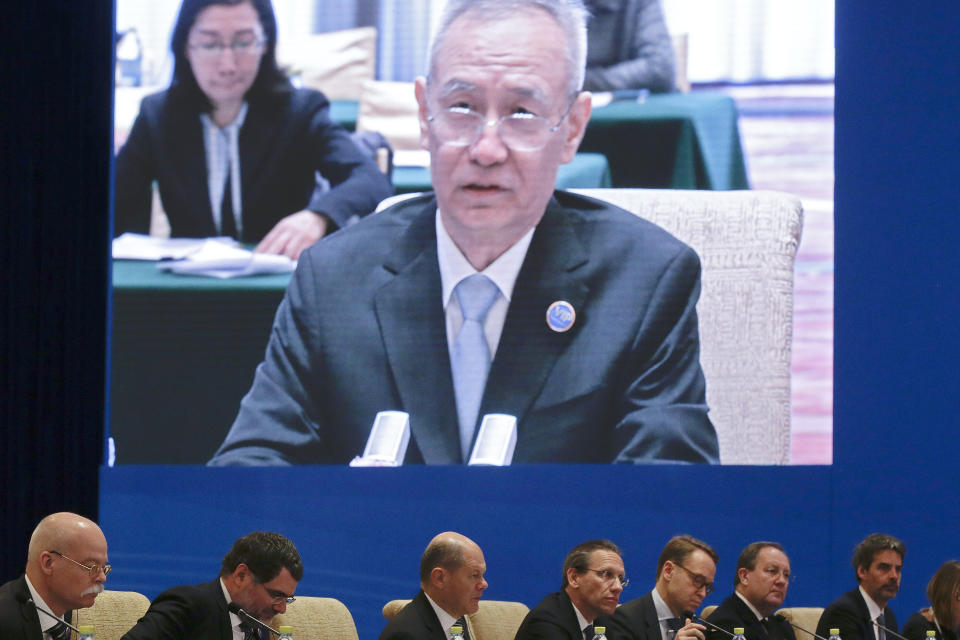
[{"x": 95, "y": 589}]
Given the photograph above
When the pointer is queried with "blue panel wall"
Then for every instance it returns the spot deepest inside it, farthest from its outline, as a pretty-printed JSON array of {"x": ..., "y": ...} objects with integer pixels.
[{"x": 896, "y": 389}]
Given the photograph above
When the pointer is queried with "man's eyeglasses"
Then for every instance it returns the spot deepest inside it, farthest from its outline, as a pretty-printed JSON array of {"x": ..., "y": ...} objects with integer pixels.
[
  {"x": 279, "y": 596},
  {"x": 241, "y": 48},
  {"x": 608, "y": 576},
  {"x": 461, "y": 127},
  {"x": 93, "y": 569},
  {"x": 699, "y": 581}
]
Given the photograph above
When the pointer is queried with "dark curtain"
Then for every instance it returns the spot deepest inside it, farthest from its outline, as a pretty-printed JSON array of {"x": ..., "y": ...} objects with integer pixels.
[{"x": 55, "y": 117}]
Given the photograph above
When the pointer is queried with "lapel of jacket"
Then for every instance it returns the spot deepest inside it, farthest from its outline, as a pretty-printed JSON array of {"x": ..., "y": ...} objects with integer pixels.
[
  {"x": 189, "y": 164},
  {"x": 258, "y": 135},
  {"x": 528, "y": 348},
  {"x": 409, "y": 311},
  {"x": 31, "y": 618},
  {"x": 216, "y": 594},
  {"x": 652, "y": 620}
]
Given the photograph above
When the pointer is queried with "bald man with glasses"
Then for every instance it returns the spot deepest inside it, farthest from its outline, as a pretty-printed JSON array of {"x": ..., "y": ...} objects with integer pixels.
[
  {"x": 685, "y": 573},
  {"x": 259, "y": 575},
  {"x": 66, "y": 569}
]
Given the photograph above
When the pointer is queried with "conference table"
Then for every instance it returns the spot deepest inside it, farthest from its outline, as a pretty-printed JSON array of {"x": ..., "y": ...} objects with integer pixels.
[{"x": 664, "y": 141}]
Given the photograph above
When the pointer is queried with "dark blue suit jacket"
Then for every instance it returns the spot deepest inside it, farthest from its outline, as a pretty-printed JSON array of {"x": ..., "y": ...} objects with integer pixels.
[
  {"x": 361, "y": 330},
  {"x": 18, "y": 620},
  {"x": 554, "y": 619},
  {"x": 416, "y": 621},
  {"x": 191, "y": 612},
  {"x": 733, "y": 612},
  {"x": 284, "y": 141},
  {"x": 637, "y": 620},
  {"x": 849, "y": 613}
]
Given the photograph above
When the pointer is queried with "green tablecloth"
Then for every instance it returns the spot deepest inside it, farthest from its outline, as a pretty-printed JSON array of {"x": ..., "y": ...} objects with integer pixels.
[
  {"x": 672, "y": 141},
  {"x": 676, "y": 141},
  {"x": 585, "y": 171}
]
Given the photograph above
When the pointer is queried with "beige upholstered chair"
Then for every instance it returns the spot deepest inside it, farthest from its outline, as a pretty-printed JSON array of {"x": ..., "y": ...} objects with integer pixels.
[
  {"x": 747, "y": 241},
  {"x": 337, "y": 62},
  {"x": 317, "y": 619},
  {"x": 113, "y": 613},
  {"x": 805, "y": 618},
  {"x": 494, "y": 620},
  {"x": 707, "y": 611},
  {"x": 390, "y": 108}
]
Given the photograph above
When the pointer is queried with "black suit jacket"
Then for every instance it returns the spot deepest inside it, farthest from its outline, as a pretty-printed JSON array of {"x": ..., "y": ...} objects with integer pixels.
[
  {"x": 18, "y": 620},
  {"x": 637, "y": 619},
  {"x": 195, "y": 612},
  {"x": 284, "y": 141},
  {"x": 734, "y": 612},
  {"x": 416, "y": 621},
  {"x": 362, "y": 329},
  {"x": 554, "y": 619},
  {"x": 849, "y": 613},
  {"x": 917, "y": 626}
]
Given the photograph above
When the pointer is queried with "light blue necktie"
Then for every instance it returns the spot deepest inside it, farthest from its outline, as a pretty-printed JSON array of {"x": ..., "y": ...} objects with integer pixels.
[{"x": 471, "y": 354}]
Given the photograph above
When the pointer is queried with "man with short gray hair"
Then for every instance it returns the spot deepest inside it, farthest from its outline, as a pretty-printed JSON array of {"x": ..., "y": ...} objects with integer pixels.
[{"x": 494, "y": 294}]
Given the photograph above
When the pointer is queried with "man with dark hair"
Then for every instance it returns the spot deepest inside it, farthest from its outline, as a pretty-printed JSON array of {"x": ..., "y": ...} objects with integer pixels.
[
  {"x": 66, "y": 569},
  {"x": 260, "y": 574},
  {"x": 863, "y": 614},
  {"x": 685, "y": 572},
  {"x": 451, "y": 583},
  {"x": 593, "y": 579},
  {"x": 759, "y": 588}
]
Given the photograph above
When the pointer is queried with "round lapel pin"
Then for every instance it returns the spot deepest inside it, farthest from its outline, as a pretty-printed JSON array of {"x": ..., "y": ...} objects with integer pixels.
[{"x": 561, "y": 316}]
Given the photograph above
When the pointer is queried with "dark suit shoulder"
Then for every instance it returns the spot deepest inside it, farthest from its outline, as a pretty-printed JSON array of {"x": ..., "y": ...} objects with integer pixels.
[
  {"x": 552, "y": 619},
  {"x": 636, "y": 620},
  {"x": 195, "y": 611},
  {"x": 416, "y": 621},
  {"x": 917, "y": 626},
  {"x": 588, "y": 210}
]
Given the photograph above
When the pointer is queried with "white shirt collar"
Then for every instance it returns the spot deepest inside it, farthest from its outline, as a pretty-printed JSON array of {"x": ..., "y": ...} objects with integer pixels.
[
  {"x": 581, "y": 620},
  {"x": 872, "y": 607},
  {"x": 446, "y": 620},
  {"x": 46, "y": 622},
  {"x": 663, "y": 610},
  {"x": 454, "y": 267},
  {"x": 234, "y": 618},
  {"x": 750, "y": 605}
]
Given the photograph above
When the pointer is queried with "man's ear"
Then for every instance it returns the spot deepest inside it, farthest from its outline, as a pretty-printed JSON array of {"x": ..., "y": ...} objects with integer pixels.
[
  {"x": 438, "y": 577},
  {"x": 573, "y": 577},
  {"x": 743, "y": 574},
  {"x": 576, "y": 125},
  {"x": 420, "y": 90}
]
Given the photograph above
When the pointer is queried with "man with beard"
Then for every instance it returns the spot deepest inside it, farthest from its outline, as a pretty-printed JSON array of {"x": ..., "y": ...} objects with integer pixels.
[
  {"x": 66, "y": 569},
  {"x": 760, "y": 586},
  {"x": 592, "y": 582},
  {"x": 685, "y": 572},
  {"x": 259, "y": 574},
  {"x": 863, "y": 614}
]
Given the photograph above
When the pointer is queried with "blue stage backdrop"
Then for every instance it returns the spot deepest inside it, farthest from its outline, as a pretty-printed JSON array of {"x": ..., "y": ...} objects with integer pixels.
[{"x": 361, "y": 531}]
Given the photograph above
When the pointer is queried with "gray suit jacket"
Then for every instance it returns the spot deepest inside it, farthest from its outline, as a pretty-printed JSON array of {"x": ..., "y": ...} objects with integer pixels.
[{"x": 361, "y": 330}]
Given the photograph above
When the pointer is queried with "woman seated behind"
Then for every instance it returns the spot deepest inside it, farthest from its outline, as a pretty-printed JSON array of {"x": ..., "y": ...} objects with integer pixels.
[
  {"x": 234, "y": 148},
  {"x": 943, "y": 616}
]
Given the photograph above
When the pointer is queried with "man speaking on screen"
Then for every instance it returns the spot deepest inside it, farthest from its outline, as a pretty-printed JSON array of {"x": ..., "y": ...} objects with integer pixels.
[{"x": 494, "y": 293}]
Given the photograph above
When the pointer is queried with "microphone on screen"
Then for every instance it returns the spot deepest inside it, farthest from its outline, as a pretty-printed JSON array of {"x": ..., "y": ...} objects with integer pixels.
[
  {"x": 44, "y": 611},
  {"x": 234, "y": 608},
  {"x": 689, "y": 614}
]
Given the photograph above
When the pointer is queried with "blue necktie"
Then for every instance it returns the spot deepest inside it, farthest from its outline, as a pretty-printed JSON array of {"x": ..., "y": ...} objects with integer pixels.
[{"x": 471, "y": 354}]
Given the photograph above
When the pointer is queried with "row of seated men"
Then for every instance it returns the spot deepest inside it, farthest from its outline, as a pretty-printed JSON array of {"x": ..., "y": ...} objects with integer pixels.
[{"x": 67, "y": 567}]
